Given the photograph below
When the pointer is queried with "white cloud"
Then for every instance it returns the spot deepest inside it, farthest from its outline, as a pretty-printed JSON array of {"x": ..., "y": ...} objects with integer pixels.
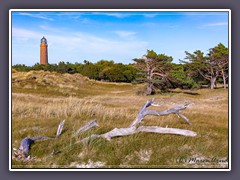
[
  {"x": 125, "y": 34},
  {"x": 25, "y": 34},
  {"x": 52, "y": 29},
  {"x": 217, "y": 24},
  {"x": 76, "y": 17},
  {"x": 118, "y": 15},
  {"x": 204, "y": 13},
  {"x": 150, "y": 15},
  {"x": 40, "y": 16},
  {"x": 85, "y": 20},
  {"x": 91, "y": 43}
]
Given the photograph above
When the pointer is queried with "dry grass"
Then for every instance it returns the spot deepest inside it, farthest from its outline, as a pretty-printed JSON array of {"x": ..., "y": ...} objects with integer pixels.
[{"x": 38, "y": 105}]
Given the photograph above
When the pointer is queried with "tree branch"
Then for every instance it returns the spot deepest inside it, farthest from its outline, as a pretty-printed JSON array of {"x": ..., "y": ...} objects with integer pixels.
[
  {"x": 86, "y": 127},
  {"x": 205, "y": 76},
  {"x": 159, "y": 74},
  {"x": 161, "y": 130},
  {"x": 119, "y": 132},
  {"x": 60, "y": 128},
  {"x": 144, "y": 112},
  {"x": 134, "y": 128}
]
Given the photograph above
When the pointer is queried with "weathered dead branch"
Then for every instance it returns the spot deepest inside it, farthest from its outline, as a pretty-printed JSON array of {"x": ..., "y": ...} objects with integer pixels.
[
  {"x": 60, "y": 128},
  {"x": 144, "y": 112},
  {"x": 117, "y": 132},
  {"x": 26, "y": 143},
  {"x": 162, "y": 130},
  {"x": 135, "y": 128},
  {"x": 89, "y": 125}
]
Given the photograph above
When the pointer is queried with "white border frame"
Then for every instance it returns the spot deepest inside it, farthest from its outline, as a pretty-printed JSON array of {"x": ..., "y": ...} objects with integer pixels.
[{"x": 118, "y": 10}]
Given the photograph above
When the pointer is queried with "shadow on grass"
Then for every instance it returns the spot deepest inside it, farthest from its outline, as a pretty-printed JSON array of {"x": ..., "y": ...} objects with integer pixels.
[
  {"x": 191, "y": 93},
  {"x": 185, "y": 92}
]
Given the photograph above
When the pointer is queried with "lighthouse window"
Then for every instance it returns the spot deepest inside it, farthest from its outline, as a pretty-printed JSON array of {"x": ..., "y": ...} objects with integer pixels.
[{"x": 44, "y": 40}]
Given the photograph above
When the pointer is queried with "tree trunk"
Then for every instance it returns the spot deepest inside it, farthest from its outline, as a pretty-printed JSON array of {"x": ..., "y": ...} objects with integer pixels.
[
  {"x": 224, "y": 79},
  {"x": 224, "y": 83},
  {"x": 213, "y": 82},
  {"x": 149, "y": 90}
]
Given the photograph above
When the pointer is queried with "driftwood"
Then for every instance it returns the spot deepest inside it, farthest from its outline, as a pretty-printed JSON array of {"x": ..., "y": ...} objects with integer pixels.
[
  {"x": 144, "y": 112},
  {"x": 86, "y": 127},
  {"x": 135, "y": 128},
  {"x": 132, "y": 130},
  {"x": 26, "y": 143},
  {"x": 60, "y": 128}
]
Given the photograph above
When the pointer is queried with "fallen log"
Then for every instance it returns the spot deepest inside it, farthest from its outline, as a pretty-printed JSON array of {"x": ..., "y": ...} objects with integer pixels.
[
  {"x": 162, "y": 130},
  {"x": 26, "y": 143},
  {"x": 132, "y": 130},
  {"x": 135, "y": 128}
]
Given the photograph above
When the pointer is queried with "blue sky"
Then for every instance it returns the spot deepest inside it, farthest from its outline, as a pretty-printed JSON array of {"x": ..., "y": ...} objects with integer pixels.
[{"x": 119, "y": 36}]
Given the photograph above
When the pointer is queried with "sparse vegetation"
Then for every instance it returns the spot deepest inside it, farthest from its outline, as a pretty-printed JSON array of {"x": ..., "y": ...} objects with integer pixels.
[{"x": 41, "y": 99}]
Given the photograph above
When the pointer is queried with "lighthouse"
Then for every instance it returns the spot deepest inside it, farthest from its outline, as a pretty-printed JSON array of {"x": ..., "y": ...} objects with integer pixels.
[{"x": 43, "y": 51}]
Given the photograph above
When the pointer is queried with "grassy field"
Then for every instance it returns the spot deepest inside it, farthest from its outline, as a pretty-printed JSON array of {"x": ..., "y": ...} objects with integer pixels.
[{"x": 40, "y": 100}]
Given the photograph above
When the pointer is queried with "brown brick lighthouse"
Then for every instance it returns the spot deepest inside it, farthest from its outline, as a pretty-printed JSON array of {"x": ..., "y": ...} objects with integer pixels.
[{"x": 43, "y": 51}]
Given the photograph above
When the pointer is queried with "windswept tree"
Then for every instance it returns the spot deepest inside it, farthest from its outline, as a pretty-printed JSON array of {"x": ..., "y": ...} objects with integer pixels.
[
  {"x": 219, "y": 55},
  {"x": 210, "y": 66},
  {"x": 181, "y": 76},
  {"x": 154, "y": 68},
  {"x": 205, "y": 66}
]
